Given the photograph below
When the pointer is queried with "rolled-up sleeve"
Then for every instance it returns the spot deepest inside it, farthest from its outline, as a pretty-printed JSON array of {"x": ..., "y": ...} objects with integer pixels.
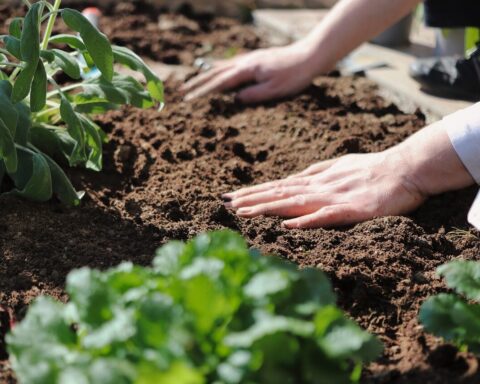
[{"x": 463, "y": 129}]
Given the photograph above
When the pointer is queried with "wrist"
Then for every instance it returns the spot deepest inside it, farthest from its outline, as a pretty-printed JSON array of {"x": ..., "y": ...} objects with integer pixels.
[
  {"x": 431, "y": 162},
  {"x": 313, "y": 63}
]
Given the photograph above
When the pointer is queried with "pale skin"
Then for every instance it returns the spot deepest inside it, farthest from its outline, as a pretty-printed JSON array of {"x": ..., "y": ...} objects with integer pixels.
[{"x": 352, "y": 188}]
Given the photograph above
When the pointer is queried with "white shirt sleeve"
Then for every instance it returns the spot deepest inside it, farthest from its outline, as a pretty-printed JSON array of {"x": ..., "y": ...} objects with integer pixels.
[{"x": 463, "y": 129}]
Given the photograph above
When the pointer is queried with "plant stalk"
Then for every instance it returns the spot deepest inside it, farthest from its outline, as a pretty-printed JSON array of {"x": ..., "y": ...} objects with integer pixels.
[{"x": 51, "y": 23}]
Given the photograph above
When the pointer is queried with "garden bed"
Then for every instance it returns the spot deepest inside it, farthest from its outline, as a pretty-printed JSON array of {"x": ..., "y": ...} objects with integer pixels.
[{"x": 163, "y": 177}]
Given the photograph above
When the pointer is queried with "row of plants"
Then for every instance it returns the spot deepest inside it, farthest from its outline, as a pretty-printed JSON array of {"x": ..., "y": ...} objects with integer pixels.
[
  {"x": 42, "y": 121},
  {"x": 209, "y": 311},
  {"x": 214, "y": 311}
]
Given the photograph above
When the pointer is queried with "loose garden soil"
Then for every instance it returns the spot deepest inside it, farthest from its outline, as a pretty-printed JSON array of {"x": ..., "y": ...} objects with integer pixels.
[{"x": 163, "y": 177}]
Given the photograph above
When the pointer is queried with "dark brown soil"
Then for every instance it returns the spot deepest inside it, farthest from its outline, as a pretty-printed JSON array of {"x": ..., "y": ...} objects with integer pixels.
[{"x": 164, "y": 173}]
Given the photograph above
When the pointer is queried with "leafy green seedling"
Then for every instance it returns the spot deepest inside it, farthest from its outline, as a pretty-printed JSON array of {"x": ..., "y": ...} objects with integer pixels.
[
  {"x": 456, "y": 316},
  {"x": 40, "y": 120},
  {"x": 209, "y": 311}
]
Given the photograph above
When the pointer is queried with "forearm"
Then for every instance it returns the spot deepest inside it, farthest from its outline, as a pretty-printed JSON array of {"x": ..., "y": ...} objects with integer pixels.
[
  {"x": 432, "y": 160},
  {"x": 349, "y": 24}
]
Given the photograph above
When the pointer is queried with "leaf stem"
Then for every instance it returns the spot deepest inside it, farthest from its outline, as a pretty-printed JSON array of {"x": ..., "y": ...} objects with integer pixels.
[
  {"x": 15, "y": 65},
  {"x": 14, "y": 74},
  {"x": 64, "y": 89},
  {"x": 51, "y": 23},
  {"x": 49, "y": 14}
]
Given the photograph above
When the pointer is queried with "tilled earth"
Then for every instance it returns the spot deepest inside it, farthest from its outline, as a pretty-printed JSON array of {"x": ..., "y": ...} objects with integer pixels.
[{"x": 163, "y": 177}]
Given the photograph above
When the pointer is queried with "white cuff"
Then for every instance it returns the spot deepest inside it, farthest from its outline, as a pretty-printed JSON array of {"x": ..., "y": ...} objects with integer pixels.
[{"x": 463, "y": 128}]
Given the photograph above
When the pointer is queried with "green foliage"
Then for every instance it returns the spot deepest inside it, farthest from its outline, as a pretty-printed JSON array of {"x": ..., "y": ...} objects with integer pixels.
[
  {"x": 41, "y": 121},
  {"x": 209, "y": 311},
  {"x": 456, "y": 317}
]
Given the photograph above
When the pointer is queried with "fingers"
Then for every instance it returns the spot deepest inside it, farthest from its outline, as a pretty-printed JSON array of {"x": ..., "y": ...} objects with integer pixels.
[
  {"x": 315, "y": 168},
  {"x": 265, "y": 187},
  {"x": 221, "y": 81},
  {"x": 328, "y": 216},
  {"x": 294, "y": 206},
  {"x": 203, "y": 78},
  {"x": 258, "y": 93},
  {"x": 270, "y": 195}
]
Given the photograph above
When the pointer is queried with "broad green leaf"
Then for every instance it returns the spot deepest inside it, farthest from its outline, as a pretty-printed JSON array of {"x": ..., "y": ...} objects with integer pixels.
[
  {"x": 30, "y": 37},
  {"x": 348, "y": 340},
  {"x": 178, "y": 373},
  {"x": 38, "y": 93},
  {"x": 62, "y": 187},
  {"x": 450, "y": 317},
  {"x": 96, "y": 42},
  {"x": 111, "y": 371},
  {"x": 463, "y": 276},
  {"x": 75, "y": 129},
  {"x": 94, "y": 144},
  {"x": 91, "y": 297},
  {"x": 92, "y": 105},
  {"x": 71, "y": 40},
  {"x": 24, "y": 124},
  {"x": 8, "y": 113},
  {"x": 45, "y": 322},
  {"x": 67, "y": 63},
  {"x": 23, "y": 83},
  {"x": 122, "y": 90},
  {"x": 74, "y": 376},
  {"x": 7, "y": 148},
  {"x": 133, "y": 61},
  {"x": 267, "y": 326},
  {"x": 267, "y": 283},
  {"x": 32, "y": 178},
  {"x": 88, "y": 60},
  {"x": 12, "y": 44},
  {"x": 15, "y": 28},
  {"x": 54, "y": 142},
  {"x": 47, "y": 55},
  {"x": 167, "y": 260},
  {"x": 30, "y": 51},
  {"x": 120, "y": 328},
  {"x": 326, "y": 318}
]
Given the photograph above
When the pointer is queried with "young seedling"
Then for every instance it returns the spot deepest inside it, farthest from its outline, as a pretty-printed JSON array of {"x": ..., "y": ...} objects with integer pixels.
[
  {"x": 209, "y": 311},
  {"x": 456, "y": 316},
  {"x": 41, "y": 120}
]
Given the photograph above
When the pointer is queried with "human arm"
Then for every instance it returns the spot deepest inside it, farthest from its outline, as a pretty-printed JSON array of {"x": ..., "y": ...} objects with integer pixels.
[
  {"x": 284, "y": 71},
  {"x": 359, "y": 187}
]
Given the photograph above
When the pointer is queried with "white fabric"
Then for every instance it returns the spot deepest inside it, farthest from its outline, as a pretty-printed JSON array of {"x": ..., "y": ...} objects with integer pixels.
[{"x": 463, "y": 128}]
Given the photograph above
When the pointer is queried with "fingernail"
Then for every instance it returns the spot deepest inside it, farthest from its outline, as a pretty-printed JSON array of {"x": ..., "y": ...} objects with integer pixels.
[
  {"x": 288, "y": 224},
  {"x": 227, "y": 196},
  {"x": 244, "y": 211},
  {"x": 228, "y": 204}
]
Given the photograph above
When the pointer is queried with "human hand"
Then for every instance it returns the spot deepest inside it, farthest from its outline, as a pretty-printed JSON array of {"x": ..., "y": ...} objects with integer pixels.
[
  {"x": 351, "y": 189},
  {"x": 359, "y": 187},
  {"x": 277, "y": 72}
]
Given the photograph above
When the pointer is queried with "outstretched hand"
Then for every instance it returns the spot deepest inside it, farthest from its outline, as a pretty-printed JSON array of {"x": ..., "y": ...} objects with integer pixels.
[
  {"x": 359, "y": 187},
  {"x": 338, "y": 192},
  {"x": 275, "y": 72}
]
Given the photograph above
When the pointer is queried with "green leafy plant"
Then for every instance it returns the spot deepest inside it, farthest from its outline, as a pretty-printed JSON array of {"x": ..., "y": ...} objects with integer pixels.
[
  {"x": 41, "y": 120},
  {"x": 456, "y": 316},
  {"x": 209, "y": 311}
]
